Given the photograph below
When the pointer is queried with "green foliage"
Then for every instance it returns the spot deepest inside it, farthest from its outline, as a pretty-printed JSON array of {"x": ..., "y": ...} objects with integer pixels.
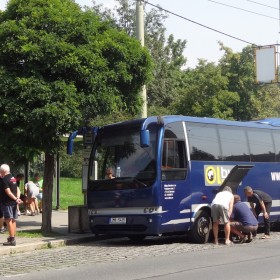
[
  {"x": 255, "y": 101},
  {"x": 71, "y": 166},
  {"x": 60, "y": 65},
  {"x": 166, "y": 52},
  {"x": 266, "y": 102},
  {"x": 71, "y": 192},
  {"x": 206, "y": 93},
  {"x": 35, "y": 233}
]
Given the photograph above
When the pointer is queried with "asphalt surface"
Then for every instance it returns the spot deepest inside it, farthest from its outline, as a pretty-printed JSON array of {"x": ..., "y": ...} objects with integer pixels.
[{"x": 63, "y": 234}]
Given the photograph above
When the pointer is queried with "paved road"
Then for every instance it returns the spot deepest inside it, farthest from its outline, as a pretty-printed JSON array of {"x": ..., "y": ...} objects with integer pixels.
[{"x": 105, "y": 251}]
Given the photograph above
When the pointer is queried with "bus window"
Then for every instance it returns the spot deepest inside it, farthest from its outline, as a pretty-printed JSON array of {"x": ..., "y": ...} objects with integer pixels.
[
  {"x": 174, "y": 153},
  {"x": 173, "y": 160},
  {"x": 170, "y": 155},
  {"x": 203, "y": 141},
  {"x": 261, "y": 145},
  {"x": 276, "y": 139},
  {"x": 234, "y": 143},
  {"x": 132, "y": 165}
]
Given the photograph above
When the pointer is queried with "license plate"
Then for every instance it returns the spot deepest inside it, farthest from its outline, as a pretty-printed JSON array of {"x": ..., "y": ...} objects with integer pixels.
[{"x": 117, "y": 220}]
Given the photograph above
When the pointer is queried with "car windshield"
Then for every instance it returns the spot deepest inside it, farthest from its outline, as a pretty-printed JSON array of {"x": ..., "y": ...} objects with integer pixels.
[{"x": 118, "y": 160}]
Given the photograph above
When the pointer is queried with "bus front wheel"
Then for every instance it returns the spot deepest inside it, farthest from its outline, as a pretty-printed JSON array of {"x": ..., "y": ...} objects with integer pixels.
[{"x": 201, "y": 229}]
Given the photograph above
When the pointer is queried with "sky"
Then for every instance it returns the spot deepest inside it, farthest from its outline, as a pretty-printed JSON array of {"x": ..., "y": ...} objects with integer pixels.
[{"x": 250, "y": 22}]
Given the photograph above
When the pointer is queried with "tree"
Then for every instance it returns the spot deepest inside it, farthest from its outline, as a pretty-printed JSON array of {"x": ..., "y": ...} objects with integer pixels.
[
  {"x": 240, "y": 72},
  {"x": 256, "y": 101},
  {"x": 206, "y": 93},
  {"x": 166, "y": 52},
  {"x": 60, "y": 66}
]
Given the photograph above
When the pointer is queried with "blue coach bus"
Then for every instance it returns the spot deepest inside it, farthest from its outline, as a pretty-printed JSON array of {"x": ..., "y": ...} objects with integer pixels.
[{"x": 166, "y": 171}]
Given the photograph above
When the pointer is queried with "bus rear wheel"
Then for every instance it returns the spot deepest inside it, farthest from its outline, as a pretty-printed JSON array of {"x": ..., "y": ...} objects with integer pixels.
[{"x": 201, "y": 229}]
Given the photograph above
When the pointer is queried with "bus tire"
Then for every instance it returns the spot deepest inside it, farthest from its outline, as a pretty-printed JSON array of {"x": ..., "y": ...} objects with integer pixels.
[{"x": 201, "y": 229}]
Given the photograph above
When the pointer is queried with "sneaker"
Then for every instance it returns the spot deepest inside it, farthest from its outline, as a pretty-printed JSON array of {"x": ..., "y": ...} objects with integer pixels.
[
  {"x": 242, "y": 239},
  {"x": 265, "y": 236},
  {"x": 27, "y": 213},
  {"x": 19, "y": 213},
  {"x": 10, "y": 242},
  {"x": 250, "y": 237},
  {"x": 228, "y": 243}
]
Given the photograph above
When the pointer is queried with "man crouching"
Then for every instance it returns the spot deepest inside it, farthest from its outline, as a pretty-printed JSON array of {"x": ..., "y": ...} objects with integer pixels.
[{"x": 243, "y": 221}]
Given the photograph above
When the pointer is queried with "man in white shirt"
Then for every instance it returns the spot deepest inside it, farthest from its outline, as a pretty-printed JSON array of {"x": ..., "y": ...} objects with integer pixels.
[{"x": 221, "y": 209}]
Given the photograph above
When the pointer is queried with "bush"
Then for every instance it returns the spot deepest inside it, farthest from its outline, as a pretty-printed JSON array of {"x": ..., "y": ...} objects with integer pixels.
[{"x": 71, "y": 166}]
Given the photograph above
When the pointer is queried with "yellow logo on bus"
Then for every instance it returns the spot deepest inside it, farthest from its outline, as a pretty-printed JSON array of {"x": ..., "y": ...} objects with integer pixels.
[{"x": 214, "y": 175}]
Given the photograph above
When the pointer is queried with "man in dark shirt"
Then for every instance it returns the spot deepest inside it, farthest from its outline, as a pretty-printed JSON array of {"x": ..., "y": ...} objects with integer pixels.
[
  {"x": 260, "y": 202},
  {"x": 8, "y": 201},
  {"x": 243, "y": 221}
]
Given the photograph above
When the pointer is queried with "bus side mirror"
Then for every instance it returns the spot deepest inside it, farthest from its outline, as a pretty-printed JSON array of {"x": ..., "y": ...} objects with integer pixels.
[
  {"x": 145, "y": 138},
  {"x": 70, "y": 142}
]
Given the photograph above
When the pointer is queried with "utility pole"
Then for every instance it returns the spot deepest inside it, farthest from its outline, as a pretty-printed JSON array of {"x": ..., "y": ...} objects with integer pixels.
[{"x": 140, "y": 37}]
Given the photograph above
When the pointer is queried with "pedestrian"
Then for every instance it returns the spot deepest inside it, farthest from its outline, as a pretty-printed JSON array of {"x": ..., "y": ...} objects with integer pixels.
[
  {"x": 260, "y": 202},
  {"x": 9, "y": 201},
  {"x": 19, "y": 178},
  {"x": 39, "y": 183},
  {"x": 32, "y": 192},
  {"x": 221, "y": 209},
  {"x": 2, "y": 227},
  {"x": 243, "y": 222}
]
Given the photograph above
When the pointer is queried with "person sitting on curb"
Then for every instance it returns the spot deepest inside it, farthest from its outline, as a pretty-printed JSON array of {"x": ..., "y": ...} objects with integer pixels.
[{"x": 243, "y": 221}]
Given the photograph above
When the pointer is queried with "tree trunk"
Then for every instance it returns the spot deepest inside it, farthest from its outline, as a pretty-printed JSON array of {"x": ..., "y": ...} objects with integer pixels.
[{"x": 47, "y": 194}]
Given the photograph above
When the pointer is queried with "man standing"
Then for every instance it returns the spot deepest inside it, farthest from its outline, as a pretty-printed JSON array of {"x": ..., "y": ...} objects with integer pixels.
[
  {"x": 221, "y": 209},
  {"x": 243, "y": 220},
  {"x": 9, "y": 200},
  {"x": 263, "y": 202}
]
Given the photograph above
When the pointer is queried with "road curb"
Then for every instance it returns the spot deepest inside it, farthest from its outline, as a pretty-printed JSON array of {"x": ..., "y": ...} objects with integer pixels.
[{"x": 45, "y": 244}]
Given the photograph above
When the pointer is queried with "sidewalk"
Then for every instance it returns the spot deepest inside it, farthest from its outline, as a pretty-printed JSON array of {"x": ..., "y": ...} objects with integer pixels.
[{"x": 59, "y": 225}]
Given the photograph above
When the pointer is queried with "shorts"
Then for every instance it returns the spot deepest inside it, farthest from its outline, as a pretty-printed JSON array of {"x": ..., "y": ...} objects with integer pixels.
[
  {"x": 219, "y": 213},
  {"x": 9, "y": 211},
  {"x": 246, "y": 229},
  {"x": 39, "y": 196}
]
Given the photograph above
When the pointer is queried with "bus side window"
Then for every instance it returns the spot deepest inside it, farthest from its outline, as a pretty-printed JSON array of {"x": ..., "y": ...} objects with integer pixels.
[{"x": 173, "y": 160}]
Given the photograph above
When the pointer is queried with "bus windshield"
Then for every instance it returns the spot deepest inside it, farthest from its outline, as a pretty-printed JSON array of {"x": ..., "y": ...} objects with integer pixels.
[{"x": 118, "y": 160}]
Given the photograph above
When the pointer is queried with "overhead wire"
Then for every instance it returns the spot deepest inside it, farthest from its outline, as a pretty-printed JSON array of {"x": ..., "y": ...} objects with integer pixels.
[
  {"x": 261, "y": 4},
  {"x": 197, "y": 23},
  {"x": 248, "y": 11}
]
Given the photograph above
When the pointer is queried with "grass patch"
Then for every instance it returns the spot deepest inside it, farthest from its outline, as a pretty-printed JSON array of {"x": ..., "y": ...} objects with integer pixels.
[
  {"x": 35, "y": 233},
  {"x": 70, "y": 192}
]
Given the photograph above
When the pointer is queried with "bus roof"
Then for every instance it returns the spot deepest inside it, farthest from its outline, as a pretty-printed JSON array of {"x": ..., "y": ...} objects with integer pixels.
[{"x": 269, "y": 123}]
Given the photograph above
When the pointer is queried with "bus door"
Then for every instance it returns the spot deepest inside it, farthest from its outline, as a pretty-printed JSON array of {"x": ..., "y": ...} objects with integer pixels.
[{"x": 174, "y": 187}]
